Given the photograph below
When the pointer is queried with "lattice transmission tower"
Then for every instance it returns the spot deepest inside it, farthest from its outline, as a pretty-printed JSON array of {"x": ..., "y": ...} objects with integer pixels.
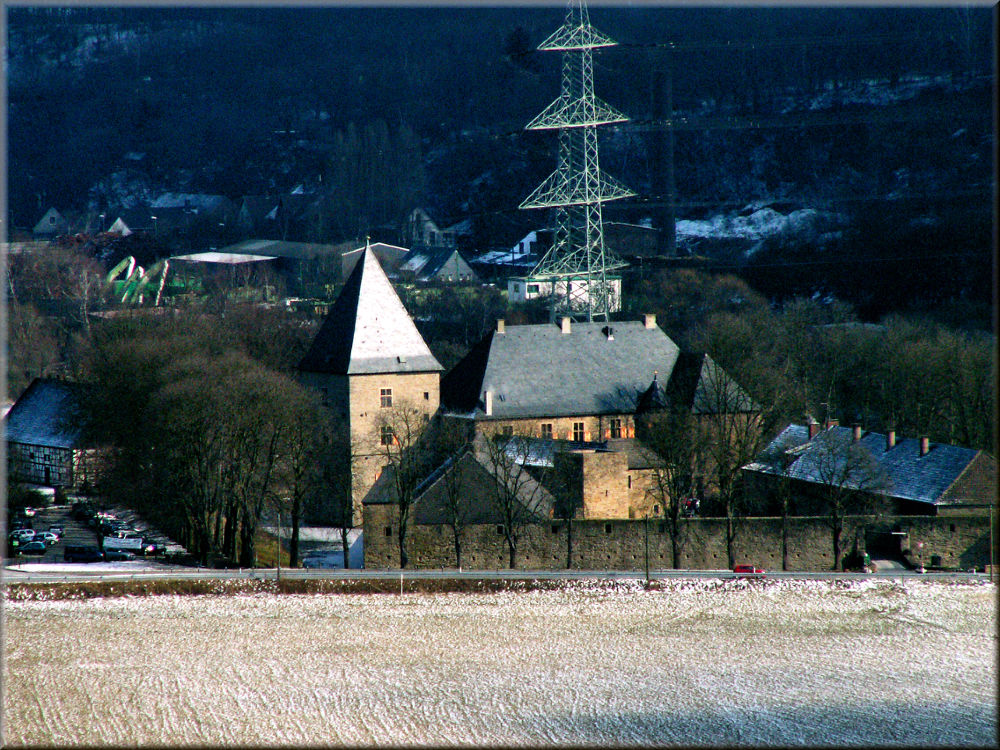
[{"x": 576, "y": 268}]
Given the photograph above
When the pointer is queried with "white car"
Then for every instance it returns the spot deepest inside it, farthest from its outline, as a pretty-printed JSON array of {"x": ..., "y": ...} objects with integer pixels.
[{"x": 45, "y": 536}]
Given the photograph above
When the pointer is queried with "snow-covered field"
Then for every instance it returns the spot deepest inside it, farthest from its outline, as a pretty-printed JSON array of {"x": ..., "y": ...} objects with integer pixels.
[{"x": 699, "y": 662}]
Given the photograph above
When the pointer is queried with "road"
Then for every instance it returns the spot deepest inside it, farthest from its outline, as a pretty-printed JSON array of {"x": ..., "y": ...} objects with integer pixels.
[{"x": 13, "y": 574}]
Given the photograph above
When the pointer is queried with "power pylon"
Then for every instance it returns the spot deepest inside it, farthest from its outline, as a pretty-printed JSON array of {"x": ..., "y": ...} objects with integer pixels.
[{"x": 577, "y": 261}]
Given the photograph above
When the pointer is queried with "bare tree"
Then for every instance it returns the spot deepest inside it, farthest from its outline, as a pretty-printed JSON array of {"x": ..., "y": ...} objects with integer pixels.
[
  {"x": 517, "y": 496},
  {"x": 849, "y": 479},
  {"x": 734, "y": 431},
  {"x": 398, "y": 431},
  {"x": 455, "y": 447},
  {"x": 679, "y": 443}
]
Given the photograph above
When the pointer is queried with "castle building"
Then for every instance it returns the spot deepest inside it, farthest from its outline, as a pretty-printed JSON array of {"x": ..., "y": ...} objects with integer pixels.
[{"x": 368, "y": 359}]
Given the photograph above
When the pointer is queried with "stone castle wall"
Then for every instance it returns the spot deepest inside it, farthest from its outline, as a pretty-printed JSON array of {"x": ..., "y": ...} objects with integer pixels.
[{"x": 621, "y": 544}]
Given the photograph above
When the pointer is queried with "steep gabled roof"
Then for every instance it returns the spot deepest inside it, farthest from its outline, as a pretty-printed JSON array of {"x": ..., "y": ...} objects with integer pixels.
[
  {"x": 46, "y": 414},
  {"x": 368, "y": 330},
  {"x": 697, "y": 381},
  {"x": 907, "y": 474},
  {"x": 536, "y": 370}
]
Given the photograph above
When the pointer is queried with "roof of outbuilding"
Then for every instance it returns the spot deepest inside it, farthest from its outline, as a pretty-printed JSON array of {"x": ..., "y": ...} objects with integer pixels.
[
  {"x": 907, "y": 474},
  {"x": 46, "y": 414},
  {"x": 430, "y": 498},
  {"x": 368, "y": 330}
]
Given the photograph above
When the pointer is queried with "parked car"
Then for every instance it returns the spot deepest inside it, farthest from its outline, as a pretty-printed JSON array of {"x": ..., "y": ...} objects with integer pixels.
[
  {"x": 151, "y": 549},
  {"x": 82, "y": 553},
  {"x": 57, "y": 530},
  {"x": 117, "y": 555},
  {"x": 34, "y": 548},
  {"x": 748, "y": 570},
  {"x": 47, "y": 537},
  {"x": 29, "y": 512},
  {"x": 25, "y": 535}
]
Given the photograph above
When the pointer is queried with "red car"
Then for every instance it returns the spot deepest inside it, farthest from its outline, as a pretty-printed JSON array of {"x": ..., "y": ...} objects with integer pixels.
[{"x": 748, "y": 570}]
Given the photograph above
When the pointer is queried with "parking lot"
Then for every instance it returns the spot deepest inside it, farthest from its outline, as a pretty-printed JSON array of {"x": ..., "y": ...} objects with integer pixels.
[{"x": 81, "y": 529}]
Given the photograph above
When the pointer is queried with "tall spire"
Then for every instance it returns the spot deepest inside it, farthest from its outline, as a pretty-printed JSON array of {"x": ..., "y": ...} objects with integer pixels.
[
  {"x": 368, "y": 329},
  {"x": 577, "y": 188}
]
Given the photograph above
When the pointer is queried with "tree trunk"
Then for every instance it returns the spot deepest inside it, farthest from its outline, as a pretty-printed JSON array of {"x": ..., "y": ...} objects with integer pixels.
[
  {"x": 837, "y": 529},
  {"x": 513, "y": 552},
  {"x": 248, "y": 549},
  {"x": 293, "y": 543},
  {"x": 569, "y": 542},
  {"x": 345, "y": 545},
  {"x": 784, "y": 537},
  {"x": 730, "y": 533},
  {"x": 403, "y": 559},
  {"x": 458, "y": 547}
]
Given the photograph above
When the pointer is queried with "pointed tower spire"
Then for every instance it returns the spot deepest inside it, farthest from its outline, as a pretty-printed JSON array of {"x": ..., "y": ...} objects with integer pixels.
[{"x": 368, "y": 330}]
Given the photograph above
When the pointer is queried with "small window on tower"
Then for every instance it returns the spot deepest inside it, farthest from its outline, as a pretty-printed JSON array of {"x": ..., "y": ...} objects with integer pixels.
[
  {"x": 386, "y": 435},
  {"x": 427, "y": 395},
  {"x": 386, "y": 397}
]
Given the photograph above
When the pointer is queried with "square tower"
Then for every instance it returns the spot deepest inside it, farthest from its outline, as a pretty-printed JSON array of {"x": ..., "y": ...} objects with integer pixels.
[{"x": 368, "y": 357}]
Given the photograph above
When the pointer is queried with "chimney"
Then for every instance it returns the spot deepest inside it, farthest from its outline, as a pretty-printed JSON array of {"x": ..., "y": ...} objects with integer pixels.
[
  {"x": 856, "y": 433},
  {"x": 501, "y": 326},
  {"x": 488, "y": 400},
  {"x": 813, "y": 428},
  {"x": 650, "y": 320},
  {"x": 609, "y": 332},
  {"x": 564, "y": 324},
  {"x": 890, "y": 439},
  {"x": 925, "y": 445},
  {"x": 831, "y": 423}
]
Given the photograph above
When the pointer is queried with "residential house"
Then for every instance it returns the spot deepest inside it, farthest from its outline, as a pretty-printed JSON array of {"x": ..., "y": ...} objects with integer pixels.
[
  {"x": 45, "y": 442},
  {"x": 910, "y": 476},
  {"x": 51, "y": 224},
  {"x": 420, "y": 230},
  {"x": 443, "y": 264}
]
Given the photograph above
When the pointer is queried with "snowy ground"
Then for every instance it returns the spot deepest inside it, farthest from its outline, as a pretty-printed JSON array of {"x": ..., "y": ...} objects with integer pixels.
[{"x": 701, "y": 662}]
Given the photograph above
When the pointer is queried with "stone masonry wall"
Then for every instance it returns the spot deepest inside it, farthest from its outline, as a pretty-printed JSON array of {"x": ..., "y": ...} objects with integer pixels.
[{"x": 621, "y": 544}]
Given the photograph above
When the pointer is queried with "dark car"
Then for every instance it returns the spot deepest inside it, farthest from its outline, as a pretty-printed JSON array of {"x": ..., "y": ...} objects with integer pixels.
[
  {"x": 151, "y": 549},
  {"x": 82, "y": 553},
  {"x": 34, "y": 548},
  {"x": 117, "y": 555}
]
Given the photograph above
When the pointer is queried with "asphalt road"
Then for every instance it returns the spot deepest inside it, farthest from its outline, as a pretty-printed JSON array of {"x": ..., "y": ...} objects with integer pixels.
[{"x": 23, "y": 574}]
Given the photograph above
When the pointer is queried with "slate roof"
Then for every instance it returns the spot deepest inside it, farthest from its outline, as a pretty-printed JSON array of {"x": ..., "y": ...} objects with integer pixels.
[
  {"x": 367, "y": 330},
  {"x": 44, "y": 414},
  {"x": 907, "y": 474},
  {"x": 536, "y": 370},
  {"x": 699, "y": 382},
  {"x": 430, "y": 497},
  {"x": 425, "y": 264}
]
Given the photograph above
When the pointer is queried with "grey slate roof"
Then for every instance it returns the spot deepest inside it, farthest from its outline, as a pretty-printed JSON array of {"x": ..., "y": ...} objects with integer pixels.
[
  {"x": 536, "y": 370},
  {"x": 45, "y": 415},
  {"x": 426, "y": 264},
  {"x": 368, "y": 330},
  {"x": 909, "y": 475},
  {"x": 430, "y": 497}
]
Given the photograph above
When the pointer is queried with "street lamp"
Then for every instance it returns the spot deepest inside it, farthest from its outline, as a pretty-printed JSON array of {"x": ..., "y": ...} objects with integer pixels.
[{"x": 154, "y": 224}]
